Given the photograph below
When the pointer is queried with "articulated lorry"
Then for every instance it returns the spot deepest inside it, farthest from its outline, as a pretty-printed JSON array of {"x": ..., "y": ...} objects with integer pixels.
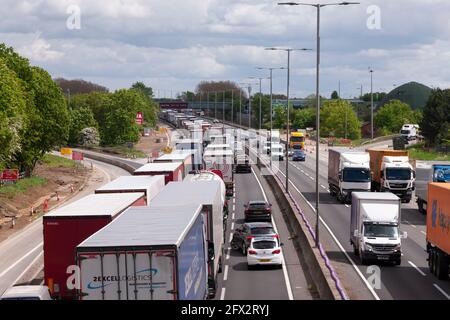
[
  {"x": 209, "y": 195},
  {"x": 148, "y": 253},
  {"x": 438, "y": 229},
  {"x": 348, "y": 171},
  {"x": 392, "y": 172},
  {"x": 64, "y": 228},
  {"x": 429, "y": 171},
  {"x": 374, "y": 227}
]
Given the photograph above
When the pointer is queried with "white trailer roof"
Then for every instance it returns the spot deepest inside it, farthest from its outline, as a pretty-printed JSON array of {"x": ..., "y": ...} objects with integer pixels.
[
  {"x": 159, "y": 167},
  {"x": 218, "y": 153},
  {"x": 212, "y": 146},
  {"x": 145, "y": 226},
  {"x": 375, "y": 196},
  {"x": 180, "y": 141},
  {"x": 173, "y": 156},
  {"x": 108, "y": 204},
  {"x": 197, "y": 192},
  {"x": 150, "y": 184}
]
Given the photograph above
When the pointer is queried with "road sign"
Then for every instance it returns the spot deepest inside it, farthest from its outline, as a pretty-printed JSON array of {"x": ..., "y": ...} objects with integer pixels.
[
  {"x": 77, "y": 155},
  {"x": 173, "y": 105},
  {"x": 139, "y": 118},
  {"x": 10, "y": 175},
  {"x": 66, "y": 151}
]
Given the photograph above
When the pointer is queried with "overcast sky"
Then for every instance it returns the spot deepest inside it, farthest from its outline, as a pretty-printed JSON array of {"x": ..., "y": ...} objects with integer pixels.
[{"x": 171, "y": 45}]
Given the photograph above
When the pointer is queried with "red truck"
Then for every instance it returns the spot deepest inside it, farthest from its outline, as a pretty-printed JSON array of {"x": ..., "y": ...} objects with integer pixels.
[
  {"x": 172, "y": 171},
  {"x": 68, "y": 226},
  {"x": 438, "y": 229},
  {"x": 149, "y": 185}
]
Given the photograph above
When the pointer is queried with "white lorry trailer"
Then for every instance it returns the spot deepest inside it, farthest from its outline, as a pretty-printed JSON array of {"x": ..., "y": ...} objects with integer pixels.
[
  {"x": 374, "y": 227},
  {"x": 429, "y": 171},
  {"x": 151, "y": 253},
  {"x": 348, "y": 171},
  {"x": 209, "y": 195}
]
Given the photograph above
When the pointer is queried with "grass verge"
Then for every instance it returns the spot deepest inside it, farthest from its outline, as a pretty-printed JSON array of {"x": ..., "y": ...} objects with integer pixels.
[
  {"x": 53, "y": 161},
  {"x": 22, "y": 186},
  {"x": 419, "y": 152}
]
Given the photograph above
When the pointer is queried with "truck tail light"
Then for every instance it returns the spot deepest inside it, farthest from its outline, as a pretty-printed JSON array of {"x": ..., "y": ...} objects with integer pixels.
[
  {"x": 276, "y": 236},
  {"x": 276, "y": 251},
  {"x": 251, "y": 252},
  {"x": 249, "y": 237}
]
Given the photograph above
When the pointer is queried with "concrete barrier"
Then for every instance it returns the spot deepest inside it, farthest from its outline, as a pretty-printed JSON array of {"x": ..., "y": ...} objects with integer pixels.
[{"x": 126, "y": 165}]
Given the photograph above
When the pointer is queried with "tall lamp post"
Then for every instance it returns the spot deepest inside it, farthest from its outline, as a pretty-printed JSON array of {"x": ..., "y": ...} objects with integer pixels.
[
  {"x": 371, "y": 102},
  {"x": 288, "y": 50},
  {"x": 317, "y": 6},
  {"x": 247, "y": 86},
  {"x": 271, "y": 103}
]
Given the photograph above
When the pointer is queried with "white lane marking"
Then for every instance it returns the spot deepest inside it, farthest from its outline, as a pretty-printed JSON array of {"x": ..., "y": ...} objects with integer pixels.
[
  {"x": 328, "y": 190},
  {"x": 442, "y": 291},
  {"x": 231, "y": 236},
  {"x": 234, "y": 200},
  {"x": 417, "y": 268},
  {"x": 227, "y": 257},
  {"x": 234, "y": 207},
  {"x": 410, "y": 224},
  {"x": 302, "y": 171},
  {"x": 20, "y": 260},
  {"x": 372, "y": 291},
  {"x": 222, "y": 294},
  {"x": 232, "y": 216},
  {"x": 283, "y": 261},
  {"x": 323, "y": 187},
  {"x": 232, "y": 226},
  {"x": 311, "y": 178},
  {"x": 225, "y": 273},
  {"x": 423, "y": 232},
  {"x": 347, "y": 205},
  {"x": 28, "y": 267}
]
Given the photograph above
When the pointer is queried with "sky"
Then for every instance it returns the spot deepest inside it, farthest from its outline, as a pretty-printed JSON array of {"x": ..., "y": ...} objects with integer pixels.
[{"x": 172, "y": 45}]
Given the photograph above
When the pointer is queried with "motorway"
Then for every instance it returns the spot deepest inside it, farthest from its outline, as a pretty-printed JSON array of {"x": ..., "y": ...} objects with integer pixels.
[
  {"x": 24, "y": 249},
  {"x": 410, "y": 280}
]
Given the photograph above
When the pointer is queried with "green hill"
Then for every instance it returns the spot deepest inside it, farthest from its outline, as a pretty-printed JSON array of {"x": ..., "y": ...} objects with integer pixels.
[{"x": 413, "y": 93}]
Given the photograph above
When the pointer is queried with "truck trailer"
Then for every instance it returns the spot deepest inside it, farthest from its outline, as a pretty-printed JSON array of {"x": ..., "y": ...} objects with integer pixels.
[
  {"x": 438, "y": 229},
  {"x": 148, "y": 253},
  {"x": 65, "y": 227},
  {"x": 429, "y": 171},
  {"x": 374, "y": 227},
  {"x": 392, "y": 172},
  {"x": 172, "y": 171},
  {"x": 185, "y": 157},
  {"x": 222, "y": 160},
  {"x": 209, "y": 195},
  {"x": 149, "y": 185},
  {"x": 348, "y": 171}
]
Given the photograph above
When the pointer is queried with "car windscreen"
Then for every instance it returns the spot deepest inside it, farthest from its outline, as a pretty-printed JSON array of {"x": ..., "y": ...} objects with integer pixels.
[
  {"x": 398, "y": 174},
  {"x": 262, "y": 231},
  {"x": 356, "y": 175},
  {"x": 380, "y": 230},
  {"x": 264, "y": 244}
]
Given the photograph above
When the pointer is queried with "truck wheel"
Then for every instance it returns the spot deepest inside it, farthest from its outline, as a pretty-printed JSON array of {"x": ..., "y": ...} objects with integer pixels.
[
  {"x": 420, "y": 206},
  {"x": 441, "y": 267},
  {"x": 355, "y": 251},
  {"x": 363, "y": 260},
  {"x": 219, "y": 268},
  {"x": 398, "y": 261},
  {"x": 431, "y": 261}
]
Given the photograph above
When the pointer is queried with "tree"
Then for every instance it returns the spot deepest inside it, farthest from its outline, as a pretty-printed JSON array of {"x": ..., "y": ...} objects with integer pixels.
[
  {"x": 89, "y": 137},
  {"x": 147, "y": 91},
  {"x": 334, "y": 95},
  {"x": 80, "y": 118},
  {"x": 216, "y": 86},
  {"x": 12, "y": 114},
  {"x": 279, "y": 119},
  {"x": 78, "y": 86},
  {"x": 48, "y": 119},
  {"x": 303, "y": 118},
  {"x": 120, "y": 123},
  {"x": 337, "y": 117},
  {"x": 392, "y": 116},
  {"x": 435, "y": 125}
]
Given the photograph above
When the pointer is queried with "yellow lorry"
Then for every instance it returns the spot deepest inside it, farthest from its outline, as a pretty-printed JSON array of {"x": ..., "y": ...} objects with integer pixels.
[{"x": 297, "y": 140}]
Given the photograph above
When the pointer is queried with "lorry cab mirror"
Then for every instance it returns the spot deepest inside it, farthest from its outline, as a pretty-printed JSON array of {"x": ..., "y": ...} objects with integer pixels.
[
  {"x": 404, "y": 235},
  {"x": 356, "y": 233},
  {"x": 340, "y": 175},
  {"x": 211, "y": 255},
  {"x": 382, "y": 174},
  {"x": 414, "y": 174}
]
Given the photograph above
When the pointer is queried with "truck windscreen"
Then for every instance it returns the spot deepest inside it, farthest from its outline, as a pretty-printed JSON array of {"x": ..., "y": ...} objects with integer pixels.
[
  {"x": 404, "y": 132},
  {"x": 398, "y": 174},
  {"x": 441, "y": 174},
  {"x": 356, "y": 175},
  {"x": 297, "y": 139},
  {"x": 380, "y": 230}
]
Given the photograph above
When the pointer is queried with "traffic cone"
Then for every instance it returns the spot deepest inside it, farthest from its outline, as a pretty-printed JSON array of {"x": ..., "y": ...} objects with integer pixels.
[{"x": 57, "y": 196}]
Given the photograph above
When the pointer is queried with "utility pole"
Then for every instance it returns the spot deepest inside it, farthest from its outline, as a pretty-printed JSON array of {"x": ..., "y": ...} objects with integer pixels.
[{"x": 371, "y": 103}]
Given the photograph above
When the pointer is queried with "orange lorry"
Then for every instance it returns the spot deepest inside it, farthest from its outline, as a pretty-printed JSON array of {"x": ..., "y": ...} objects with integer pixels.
[
  {"x": 438, "y": 229},
  {"x": 392, "y": 172}
]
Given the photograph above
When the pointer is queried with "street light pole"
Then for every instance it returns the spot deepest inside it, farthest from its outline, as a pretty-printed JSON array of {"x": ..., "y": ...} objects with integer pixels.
[
  {"x": 240, "y": 106},
  {"x": 207, "y": 103},
  {"x": 223, "y": 111},
  {"x": 232, "y": 107},
  {"x": 371, "y": 103},
  {"x": 317, "y": 6},
  {"x": 215, "y": 105},
  {"x": 249, "y": 107}
]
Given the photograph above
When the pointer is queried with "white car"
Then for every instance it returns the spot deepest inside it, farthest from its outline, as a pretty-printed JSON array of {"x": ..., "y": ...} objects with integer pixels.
[
  {"x": 264, "y": 251},
  {"x": 27, "y": 293}
]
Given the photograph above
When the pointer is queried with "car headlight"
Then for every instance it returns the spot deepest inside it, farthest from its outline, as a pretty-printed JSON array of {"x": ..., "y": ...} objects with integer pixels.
[
  {"x": 368, "y": 247},
  {"x": 398, "y": 247}
]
